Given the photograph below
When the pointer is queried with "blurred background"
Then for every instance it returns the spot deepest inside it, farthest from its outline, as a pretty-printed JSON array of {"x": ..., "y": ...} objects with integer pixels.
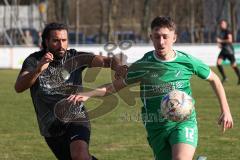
[{"x": 100, "y": 21}]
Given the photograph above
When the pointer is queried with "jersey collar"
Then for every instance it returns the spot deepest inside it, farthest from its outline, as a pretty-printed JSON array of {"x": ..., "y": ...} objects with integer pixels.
[{"x": 170, "y": 60}]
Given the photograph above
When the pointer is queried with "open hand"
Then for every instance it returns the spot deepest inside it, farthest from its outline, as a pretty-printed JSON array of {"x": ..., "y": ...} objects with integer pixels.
[
  {"x": 80, "y": 97},
  {"x": 225, "y": 119}
]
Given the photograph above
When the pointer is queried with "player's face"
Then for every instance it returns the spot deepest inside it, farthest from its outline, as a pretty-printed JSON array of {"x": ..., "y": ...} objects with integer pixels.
[
  {"x": 163, "y": 40},
  {"x": 57, "y": 43},
  {"x": 223, "y": 24}
]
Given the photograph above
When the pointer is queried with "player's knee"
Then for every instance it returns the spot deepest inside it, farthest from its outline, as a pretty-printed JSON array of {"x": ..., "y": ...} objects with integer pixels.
[
  {"x": 182, "y": 158},
  {"x": 234, "y": 65},
  {"x": 79, "y": 150},
  {"x": 80, "y": 156}
]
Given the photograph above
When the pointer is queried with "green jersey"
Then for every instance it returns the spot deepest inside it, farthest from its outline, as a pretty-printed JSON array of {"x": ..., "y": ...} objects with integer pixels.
[{"x": 158, "y": 77}]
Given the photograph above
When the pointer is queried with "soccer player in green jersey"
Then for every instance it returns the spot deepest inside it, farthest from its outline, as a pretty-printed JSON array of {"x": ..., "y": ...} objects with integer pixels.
[{"x": 159, "y": 72}]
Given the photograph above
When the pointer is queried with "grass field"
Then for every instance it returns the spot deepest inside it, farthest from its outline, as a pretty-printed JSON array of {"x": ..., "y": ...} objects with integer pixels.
[{"x": 115, "y": 137}]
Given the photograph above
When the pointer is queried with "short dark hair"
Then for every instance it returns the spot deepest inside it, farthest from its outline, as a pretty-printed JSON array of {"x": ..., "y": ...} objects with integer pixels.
[
  {"x": 48, "y": 28},
  {"x": 163, "y": 21}
]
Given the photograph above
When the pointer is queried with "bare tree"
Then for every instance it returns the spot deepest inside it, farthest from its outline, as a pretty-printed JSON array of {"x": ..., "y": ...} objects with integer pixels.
[
  {"x": 192, "y": 20},
  {"x": 111, "y": 17},
  {"x": 65, "y": 11},
  {"x": 196, "y": 20},
  {"x": 101, "y": 14},
  {"x": 145, "y": 19},
  {"x": 233, "y": 13},
  {"x": 77, "y": 19}
]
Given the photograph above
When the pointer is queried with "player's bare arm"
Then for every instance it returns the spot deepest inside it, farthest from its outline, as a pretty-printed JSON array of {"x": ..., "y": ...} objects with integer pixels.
[
  {"x": 110, "y": 62},
  {"x": 105, "y": 62},
  {"x": 27, "y": 78},
  {"x": 225, "y": 118},
  {"x": 99, "y": 92}
]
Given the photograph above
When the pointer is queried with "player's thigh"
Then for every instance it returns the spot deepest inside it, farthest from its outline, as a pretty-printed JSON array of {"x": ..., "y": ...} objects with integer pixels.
[
  {"x": 79, "y": 150},
  {"x": 232, "y": 60},
  {"x": 185, "y": 132},
  {"x": 164, "y": 153},
  {"x": 182, "y": 151},
  {"x": 184, "y": 138},
  {"x": 158, "y": 140},
  {"x": 79, "y": 137},
  {"x": 59, "y": 146}
]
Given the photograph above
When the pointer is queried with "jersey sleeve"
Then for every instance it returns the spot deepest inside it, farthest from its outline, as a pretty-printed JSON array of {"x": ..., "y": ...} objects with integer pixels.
[
  {"x": 200, "y": 69},
  {"x": 136, "y": 72},
  {"x": 29, "y": 64}
]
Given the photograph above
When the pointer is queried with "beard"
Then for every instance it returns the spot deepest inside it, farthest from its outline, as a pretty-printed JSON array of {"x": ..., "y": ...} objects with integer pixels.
[{"x": 58, "y": 53}]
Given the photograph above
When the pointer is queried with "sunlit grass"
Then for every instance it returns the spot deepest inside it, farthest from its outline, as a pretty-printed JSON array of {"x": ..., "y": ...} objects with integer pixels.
[{"x": 118, "y": 135}]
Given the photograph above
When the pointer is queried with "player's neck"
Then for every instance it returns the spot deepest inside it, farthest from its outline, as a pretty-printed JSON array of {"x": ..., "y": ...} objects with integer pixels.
[{"x": 166, "y": 56}]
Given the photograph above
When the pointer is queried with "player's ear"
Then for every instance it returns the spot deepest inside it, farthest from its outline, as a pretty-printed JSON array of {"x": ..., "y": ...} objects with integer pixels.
[
  {"x": 175, "y": 37},
  {"x": 150, "y": 36},
  {"x": 46, "y": 41}
]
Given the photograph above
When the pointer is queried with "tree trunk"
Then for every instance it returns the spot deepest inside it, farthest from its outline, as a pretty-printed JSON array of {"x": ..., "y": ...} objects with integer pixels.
[
  {"x": 110, "y": 21},
  {"x": 233, "y": 18},
  {"x": 65, "y": 10},
  {"x": 192, "y": 21},
  {"x": 77, "y": 21},
  {"x": 100, "y": 31},
  {"x": 145, "y": 20}
]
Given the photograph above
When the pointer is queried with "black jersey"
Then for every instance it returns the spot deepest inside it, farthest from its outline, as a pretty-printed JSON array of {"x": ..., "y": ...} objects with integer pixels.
[
  {"x": 227, "y": 48},
  {"x": 50, "y": 87}
]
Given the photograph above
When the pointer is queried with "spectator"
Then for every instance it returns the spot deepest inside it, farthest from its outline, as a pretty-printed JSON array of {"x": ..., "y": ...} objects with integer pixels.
[{"x": 28, "y": 39}]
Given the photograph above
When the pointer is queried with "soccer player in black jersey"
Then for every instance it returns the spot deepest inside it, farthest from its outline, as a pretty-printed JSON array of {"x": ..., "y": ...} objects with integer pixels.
[
  {"x": 225, "y": 40},
  {"x": 41, "y": 72}
]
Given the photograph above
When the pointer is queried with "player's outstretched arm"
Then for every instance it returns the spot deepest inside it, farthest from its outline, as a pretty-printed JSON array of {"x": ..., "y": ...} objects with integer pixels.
[
  {"x": 99, "y": 92},
  {"x": 105, "y": 62},
  {"x": 27, "y": 78},
  {"x": 110, "y": 62},
  {"x": 225, "y": 118}
]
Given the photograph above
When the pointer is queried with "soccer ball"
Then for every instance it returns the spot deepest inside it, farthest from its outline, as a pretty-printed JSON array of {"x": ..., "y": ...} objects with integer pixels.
[{"x": 177, "y": 106}]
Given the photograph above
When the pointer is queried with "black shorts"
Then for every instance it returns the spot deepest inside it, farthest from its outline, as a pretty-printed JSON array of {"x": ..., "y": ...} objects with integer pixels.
[
  {"x": 60, "y": 145},
  {"x": 225, "y": 55}
]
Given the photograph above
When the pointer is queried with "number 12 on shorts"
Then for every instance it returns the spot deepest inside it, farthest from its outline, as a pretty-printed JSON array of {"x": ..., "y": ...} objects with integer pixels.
[{"x": 189, "y": 134}]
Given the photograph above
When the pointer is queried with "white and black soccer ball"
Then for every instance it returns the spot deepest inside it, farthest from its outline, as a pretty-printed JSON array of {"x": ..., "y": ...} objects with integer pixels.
[{"x": 177, "y": 106}]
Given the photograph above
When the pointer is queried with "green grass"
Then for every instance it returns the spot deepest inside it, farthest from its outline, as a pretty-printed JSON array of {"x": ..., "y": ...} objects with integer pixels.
[{"x": 115, "y": 136}]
